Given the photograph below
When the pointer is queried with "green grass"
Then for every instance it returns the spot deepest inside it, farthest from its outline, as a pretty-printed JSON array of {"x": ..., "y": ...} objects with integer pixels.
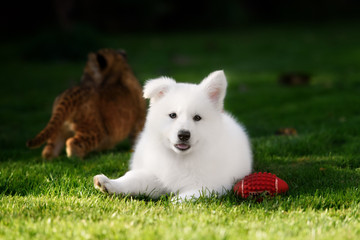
[{"x": 56, "y": 199}]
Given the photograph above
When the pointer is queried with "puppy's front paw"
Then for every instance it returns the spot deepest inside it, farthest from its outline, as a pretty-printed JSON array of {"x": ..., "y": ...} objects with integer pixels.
[
  {"x": 101, "y": 182},
  {"x": 178, "y": 199}
]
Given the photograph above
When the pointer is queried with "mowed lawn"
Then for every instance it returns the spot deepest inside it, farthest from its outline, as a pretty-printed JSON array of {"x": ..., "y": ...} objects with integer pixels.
[{"x": 56, "y": 199}]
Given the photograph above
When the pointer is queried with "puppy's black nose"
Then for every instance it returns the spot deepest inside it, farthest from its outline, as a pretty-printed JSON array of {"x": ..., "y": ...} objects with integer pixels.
[{"x": 184, "y": 135}]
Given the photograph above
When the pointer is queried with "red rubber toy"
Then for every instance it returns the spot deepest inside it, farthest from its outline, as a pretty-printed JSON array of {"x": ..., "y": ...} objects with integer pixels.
[{"x": 258, "y": 183}]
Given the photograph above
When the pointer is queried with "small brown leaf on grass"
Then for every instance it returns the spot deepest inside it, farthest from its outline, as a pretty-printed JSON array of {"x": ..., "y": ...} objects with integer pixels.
[
  {"x": 303, "y": 159},
  {"x": 294, "y": 79},
  {"x": 286, "y": 132}
]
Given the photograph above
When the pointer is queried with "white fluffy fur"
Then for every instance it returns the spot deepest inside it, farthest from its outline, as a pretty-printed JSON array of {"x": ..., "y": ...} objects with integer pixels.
[{"x": 219, "y": 152}]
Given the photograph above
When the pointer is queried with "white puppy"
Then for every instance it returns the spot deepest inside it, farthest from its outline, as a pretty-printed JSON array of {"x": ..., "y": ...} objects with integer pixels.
[{"x": 189, "y": 145}]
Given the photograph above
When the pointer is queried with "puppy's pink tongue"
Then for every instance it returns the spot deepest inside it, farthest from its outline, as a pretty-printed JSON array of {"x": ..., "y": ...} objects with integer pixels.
[{"x": 182, "y": 146}]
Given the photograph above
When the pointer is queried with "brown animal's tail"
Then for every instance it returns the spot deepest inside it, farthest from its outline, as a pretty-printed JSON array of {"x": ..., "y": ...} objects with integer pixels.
[{"x": 64, "y": 106}]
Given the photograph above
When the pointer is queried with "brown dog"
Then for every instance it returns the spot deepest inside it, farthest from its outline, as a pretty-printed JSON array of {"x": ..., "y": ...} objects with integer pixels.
[{"x": 103, "y": 110}]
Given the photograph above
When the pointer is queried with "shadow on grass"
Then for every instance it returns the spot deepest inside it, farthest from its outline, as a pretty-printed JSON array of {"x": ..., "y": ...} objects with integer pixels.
[{"x": 318, "y": 182}]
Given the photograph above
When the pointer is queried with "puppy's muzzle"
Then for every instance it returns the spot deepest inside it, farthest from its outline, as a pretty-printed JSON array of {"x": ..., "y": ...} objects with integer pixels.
[
  {"x": 183, "y": 144},
  {"x": 184, "y": 135}
]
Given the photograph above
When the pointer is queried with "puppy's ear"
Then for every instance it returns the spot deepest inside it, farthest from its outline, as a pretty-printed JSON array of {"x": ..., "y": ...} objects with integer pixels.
[
  {"x": 155, "y": 89},
  {"x": 215, "y": 87}
]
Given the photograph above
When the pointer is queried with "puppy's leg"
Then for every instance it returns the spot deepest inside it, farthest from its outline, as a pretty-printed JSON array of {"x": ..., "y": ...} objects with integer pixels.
[
  {"x": 191, "y": 195},
  {"x": 134, "y": 182},
  {"x": 186, "y": 196}
]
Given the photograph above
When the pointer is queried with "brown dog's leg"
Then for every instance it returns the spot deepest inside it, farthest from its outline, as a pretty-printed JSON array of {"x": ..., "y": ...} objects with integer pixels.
[{"x": 85, "y": 140}]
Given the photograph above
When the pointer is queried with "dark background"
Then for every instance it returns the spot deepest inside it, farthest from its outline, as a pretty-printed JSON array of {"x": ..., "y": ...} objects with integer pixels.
[
  {"x": 68, "y": 29},
  {"x": 112, "y": 16}
]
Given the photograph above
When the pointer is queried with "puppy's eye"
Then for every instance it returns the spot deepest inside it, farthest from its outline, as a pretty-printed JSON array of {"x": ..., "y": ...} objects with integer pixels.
[
  {"x": 172, "y": 115},
  {"x": 197, "y": 118}
]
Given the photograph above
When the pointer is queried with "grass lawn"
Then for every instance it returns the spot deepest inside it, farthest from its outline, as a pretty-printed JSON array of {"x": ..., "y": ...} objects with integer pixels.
[{"x": 57, "y": 200}]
